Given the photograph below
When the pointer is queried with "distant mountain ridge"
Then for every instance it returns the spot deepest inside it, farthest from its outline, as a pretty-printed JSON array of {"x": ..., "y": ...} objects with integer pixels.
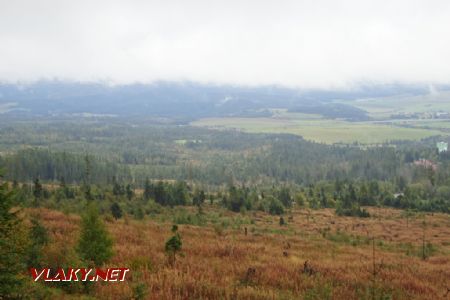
[{"x": 179, "y": 100}]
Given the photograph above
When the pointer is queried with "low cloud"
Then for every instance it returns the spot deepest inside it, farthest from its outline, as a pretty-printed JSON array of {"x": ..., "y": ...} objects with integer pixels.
[{"x": 313, "y": 44}]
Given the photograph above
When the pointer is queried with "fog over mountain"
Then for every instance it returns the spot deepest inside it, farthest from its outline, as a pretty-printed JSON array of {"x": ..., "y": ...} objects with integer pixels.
[
  {"x": 191, "y": 59},
  {"x": 307, "y": 44}
]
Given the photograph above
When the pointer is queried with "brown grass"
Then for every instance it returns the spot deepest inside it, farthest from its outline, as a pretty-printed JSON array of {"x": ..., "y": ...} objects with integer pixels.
[{"x": 269, "y": 262}]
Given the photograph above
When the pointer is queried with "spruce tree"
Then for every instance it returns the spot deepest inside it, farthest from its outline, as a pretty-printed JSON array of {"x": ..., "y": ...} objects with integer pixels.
[
  {"x": 95, "y": 244},
  {"x": 116, "y": 211},
  {"x": 173, "y": 245},
  {"x": 38, "y": 239},
  {"x": 13, "y": 245}
]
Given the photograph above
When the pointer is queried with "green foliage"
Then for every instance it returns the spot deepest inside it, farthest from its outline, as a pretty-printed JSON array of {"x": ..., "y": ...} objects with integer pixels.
[
  {"x": 319, "y": 292},
  {"x": 284, "y": 196},
  {"x": 275, "y": 206},
  {"x": 283, "y": 166},
  {"x": 129, "y": 192},
  {"x": 139, "y": 291},
  {"x": 173, "y": 245},
  {"x": 38, "y": 237},
  {"x": 344, "y": 238},
  {"x": 116, "y": 211},
  {"x": 199, "y": 197},
  {"x": 353, "y": 211},
  {"x": 37, "y": 189},
  {"x": 181, "y": 216},
  {"x": 165, "y": 193},
  {"x": 13, "y": 246},
  {"x": 238, "y": 199},
  {"x": 95, "y": 243},
  {"x": 118, "y": 189},
  {"x": 148, "y": 189}
]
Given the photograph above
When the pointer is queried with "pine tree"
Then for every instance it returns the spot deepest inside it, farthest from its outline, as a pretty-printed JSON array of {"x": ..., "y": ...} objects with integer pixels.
[{"x": 95, "y": 244}]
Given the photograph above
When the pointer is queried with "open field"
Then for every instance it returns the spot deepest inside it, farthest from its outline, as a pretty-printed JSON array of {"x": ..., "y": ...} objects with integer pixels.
[
  {"x": 322, "y": 130},
  {"x": 383, "y": 107},
  {"x": 315, "y": 256}
]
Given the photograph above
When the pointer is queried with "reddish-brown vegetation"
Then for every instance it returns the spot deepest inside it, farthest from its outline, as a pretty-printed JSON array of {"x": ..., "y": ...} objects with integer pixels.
[{"x": 317, "y": 257}]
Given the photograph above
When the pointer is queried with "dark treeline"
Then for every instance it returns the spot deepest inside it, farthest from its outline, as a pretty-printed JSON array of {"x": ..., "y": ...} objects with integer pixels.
[
  {"x": 333, "y": 111},
  {"x": 112, "y": 153},
  {"x": 29, "y": 164},
  {"x": 346, "y": 197}
]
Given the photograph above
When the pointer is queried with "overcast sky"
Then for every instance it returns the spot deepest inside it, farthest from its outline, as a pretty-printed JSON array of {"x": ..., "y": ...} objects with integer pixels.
[{"x": 299, "y": 43}]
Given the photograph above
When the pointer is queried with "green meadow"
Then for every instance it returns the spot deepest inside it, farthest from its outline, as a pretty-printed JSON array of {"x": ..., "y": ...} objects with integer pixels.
[{"x": 322, "y": 130}]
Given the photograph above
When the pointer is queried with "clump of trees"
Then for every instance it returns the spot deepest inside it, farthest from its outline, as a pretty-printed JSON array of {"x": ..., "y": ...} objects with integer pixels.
[{"x": 167, "y": 194}]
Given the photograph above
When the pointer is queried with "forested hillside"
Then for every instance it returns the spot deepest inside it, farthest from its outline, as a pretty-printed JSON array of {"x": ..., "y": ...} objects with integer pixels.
[
  {"x": 131, "y": 153},
  {"x": 181, "y": 101}
]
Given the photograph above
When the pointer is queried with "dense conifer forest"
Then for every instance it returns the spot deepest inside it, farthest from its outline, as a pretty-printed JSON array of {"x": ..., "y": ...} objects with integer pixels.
[{"x": 241, "y": 167}]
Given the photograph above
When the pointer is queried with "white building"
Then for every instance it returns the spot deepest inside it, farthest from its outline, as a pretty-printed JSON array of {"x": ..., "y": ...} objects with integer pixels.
[{"x": 442, "y": 147}]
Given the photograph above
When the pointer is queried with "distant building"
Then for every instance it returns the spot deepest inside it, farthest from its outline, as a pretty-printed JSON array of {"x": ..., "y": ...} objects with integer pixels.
[
  {"x": 442, "y": 147},
  {"x": 426, "y": 164},
  {"x": 396, "y": 195}
]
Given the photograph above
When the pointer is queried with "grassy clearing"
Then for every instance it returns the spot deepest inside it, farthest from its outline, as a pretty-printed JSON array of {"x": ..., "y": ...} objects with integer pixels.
[
  {"x": 315, "y": 256},
  {"x": 322, "y": 130}
]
